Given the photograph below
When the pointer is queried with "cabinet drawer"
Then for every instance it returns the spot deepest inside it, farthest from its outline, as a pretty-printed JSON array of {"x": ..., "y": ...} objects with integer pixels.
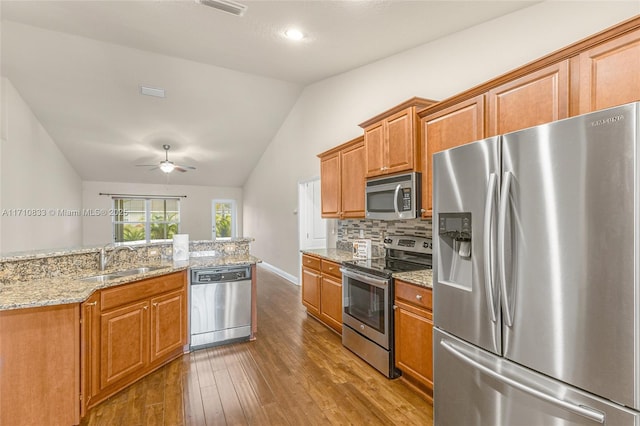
[
  {"x": 331, "y": 268},
  {"x": 414, "y": 294},
  {"x": 127, "y": 293},
  {"x": 311, "y": 262}
]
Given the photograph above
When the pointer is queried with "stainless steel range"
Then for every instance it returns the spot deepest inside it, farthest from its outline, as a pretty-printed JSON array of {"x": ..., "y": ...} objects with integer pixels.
[{"x": 367, "y": 287}]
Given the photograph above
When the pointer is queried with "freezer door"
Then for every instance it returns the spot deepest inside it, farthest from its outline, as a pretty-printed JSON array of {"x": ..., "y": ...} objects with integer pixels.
[
  {"x": 474, "y": 387},
  {"x": 570, "y": 251},
  {"x": 466, "y": 185}
]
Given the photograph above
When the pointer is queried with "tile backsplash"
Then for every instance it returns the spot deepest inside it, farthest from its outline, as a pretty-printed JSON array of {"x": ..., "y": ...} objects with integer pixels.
[{"x": 376, "y": 230}]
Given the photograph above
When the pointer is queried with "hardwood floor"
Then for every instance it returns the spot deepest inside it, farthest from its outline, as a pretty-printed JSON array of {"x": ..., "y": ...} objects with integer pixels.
[{"x": 296, "y": 373}]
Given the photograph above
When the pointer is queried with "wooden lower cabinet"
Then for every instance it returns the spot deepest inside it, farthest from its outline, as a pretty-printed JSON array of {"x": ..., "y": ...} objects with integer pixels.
[
  {"x": 39, "y": 366},
  {"x": 414, "y": 336},
  {"x": 322, "y": 290},
  {"x": 124, "y": 342},
  {"x": 311, "y": 290},
  {"x": 129, "y": 331}
]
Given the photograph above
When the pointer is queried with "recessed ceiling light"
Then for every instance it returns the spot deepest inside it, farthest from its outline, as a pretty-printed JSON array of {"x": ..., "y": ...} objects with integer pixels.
[
  {"x": 152, "y": 91},
  {"x": 294, "y": 34}
]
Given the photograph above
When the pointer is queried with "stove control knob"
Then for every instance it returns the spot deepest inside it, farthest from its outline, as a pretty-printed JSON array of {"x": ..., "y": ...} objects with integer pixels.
[{"x": 239, "y": 275}]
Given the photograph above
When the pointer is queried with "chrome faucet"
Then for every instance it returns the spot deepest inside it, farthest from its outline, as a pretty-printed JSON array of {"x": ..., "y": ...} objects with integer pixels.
[{"x": 104, "y": 259}]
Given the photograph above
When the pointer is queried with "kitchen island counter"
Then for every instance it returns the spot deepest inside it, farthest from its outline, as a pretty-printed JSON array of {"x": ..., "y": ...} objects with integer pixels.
[{"x": 17, "y": 294}]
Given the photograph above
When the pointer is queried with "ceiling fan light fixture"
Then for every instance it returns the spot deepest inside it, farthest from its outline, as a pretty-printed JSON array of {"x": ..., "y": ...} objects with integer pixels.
[
  {"x": 228, "y": 6},
  {"x": 294, "y": 34},
  {"x": 167, "y": 166}
]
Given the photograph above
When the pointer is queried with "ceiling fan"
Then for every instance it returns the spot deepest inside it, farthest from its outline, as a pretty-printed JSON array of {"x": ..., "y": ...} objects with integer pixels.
[{"x": 167, "y": 166}]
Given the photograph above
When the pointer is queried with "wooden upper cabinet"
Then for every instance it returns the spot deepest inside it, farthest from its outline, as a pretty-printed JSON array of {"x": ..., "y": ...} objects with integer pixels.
[
  {"x": 352, "y": 182},
  {"x": 392, "y": 139},
  {"x": 609, "y": 74},
  {"x": 536, "y": 98},
  {"x": 342, "y": 180},
  {"x": 375, "y": 152},
  {"x": 330, "y": 185},
  {"x": 448, "y": 128}
]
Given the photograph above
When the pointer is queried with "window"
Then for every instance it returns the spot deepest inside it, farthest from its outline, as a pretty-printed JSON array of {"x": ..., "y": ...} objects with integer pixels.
[
  {"x": 145, "y": 219},
  {"x": 224, "y": 219}
]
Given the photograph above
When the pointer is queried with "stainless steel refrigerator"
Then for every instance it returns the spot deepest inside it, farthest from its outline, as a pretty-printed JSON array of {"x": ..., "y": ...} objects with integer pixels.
[{"x": 537, "y": 275}]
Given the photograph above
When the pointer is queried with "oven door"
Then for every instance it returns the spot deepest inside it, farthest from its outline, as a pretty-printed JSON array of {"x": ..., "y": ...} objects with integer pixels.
[{"x": 366, "y": 301}]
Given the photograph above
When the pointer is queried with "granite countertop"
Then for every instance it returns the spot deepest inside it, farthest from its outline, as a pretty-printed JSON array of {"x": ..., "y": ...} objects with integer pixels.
[
  {"x": 423, "y": 278},
  {"x": 332, "y": 254},
  {"x": 64, "y": 290}
]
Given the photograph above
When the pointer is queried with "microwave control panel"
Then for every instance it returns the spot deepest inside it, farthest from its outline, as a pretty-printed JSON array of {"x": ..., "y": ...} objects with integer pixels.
[{"x": 406, "y": 200}]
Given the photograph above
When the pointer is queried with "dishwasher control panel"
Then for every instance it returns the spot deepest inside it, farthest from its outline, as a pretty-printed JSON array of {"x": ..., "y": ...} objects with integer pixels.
[{"x": 223, "y": 274}]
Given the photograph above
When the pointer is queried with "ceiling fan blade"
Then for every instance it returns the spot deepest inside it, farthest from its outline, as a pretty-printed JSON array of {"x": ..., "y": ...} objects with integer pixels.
[
  {"x": 180, "y": 169},
  {"x": 185, "y": 167},
  {"x": 146, "y": 165}
]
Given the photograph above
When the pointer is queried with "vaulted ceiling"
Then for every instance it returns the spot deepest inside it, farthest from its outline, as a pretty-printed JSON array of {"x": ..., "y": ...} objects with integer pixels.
[{"x": 230, "y": 81}]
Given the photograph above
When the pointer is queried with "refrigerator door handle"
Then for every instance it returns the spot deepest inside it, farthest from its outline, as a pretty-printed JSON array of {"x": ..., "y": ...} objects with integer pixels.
[
  {"x": 488, "y": 245},
  {"x": 582, "y": 410},
  {"x": 502, "y": 262}
]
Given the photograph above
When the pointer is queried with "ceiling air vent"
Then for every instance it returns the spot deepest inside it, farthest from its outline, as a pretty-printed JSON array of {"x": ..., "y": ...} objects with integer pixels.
[{"x": 226, "y": 6}]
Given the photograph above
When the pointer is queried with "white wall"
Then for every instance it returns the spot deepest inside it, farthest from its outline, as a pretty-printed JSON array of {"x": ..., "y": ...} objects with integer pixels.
[
  {"x": 35, "y": 175},
  {"x": 327, "y": 113},
  {"x": 195, "y": 209}
]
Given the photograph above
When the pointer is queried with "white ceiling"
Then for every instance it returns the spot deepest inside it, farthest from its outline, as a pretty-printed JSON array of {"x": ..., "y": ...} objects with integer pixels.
[{"x": 230, "y": 81}]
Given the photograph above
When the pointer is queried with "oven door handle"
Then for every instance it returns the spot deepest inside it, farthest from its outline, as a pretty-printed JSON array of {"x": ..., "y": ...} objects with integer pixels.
[{"x": 365, "y": 278}]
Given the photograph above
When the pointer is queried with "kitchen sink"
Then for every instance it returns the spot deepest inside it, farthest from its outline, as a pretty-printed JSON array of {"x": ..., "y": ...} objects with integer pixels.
[
  {"x": 125, "y": 273},
  {"x": 141, "y": 270},
  {"x": 101, "y": 278}
]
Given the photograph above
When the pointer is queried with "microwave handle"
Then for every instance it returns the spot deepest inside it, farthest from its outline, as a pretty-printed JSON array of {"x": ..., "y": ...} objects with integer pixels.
[{"x": 395, "y": 199}]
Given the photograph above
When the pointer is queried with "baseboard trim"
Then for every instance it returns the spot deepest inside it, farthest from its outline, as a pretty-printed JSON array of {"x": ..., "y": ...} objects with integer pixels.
[{"x": 287, "y": 276}]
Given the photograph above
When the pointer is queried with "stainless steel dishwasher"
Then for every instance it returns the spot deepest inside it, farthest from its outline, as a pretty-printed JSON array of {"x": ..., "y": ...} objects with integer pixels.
[{"x": 220, "y": 305}]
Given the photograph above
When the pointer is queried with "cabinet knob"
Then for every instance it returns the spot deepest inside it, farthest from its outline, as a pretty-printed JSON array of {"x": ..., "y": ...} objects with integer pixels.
[
  {"x": 419, "y": 296},
  {"x": 155, "y": 304},
  {"x": 145, "y": 308}
]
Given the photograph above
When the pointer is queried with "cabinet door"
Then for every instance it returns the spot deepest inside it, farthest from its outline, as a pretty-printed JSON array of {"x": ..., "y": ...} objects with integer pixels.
[
  {"x": 40, "y": 366},
  {"x": 353, "y": 181},
  {"x": 89, "y": 350},
  {"x": 414, "y": 343},
  {"x": 536, "y": 98},
  {"x": 311, "y": 291},
  {"x": 124, "y": 342},
  {"x": 168, "y": 324},
  {"x": 331, "y": 302},
  {"x": 330, "y": 185},
  {"x": 400, "y": 142},
  {"x": 451, "y": 127},
  {"x": 610, "y": 74},
  {"x": 374, "y": 142}
]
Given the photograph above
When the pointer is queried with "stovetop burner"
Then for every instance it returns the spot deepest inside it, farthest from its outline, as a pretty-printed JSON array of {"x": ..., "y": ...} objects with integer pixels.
[{"x": 402, "y": 254}]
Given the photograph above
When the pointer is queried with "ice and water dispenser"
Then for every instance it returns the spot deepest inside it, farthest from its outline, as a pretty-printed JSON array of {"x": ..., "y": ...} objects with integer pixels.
[{"x": 455, "y": 257}]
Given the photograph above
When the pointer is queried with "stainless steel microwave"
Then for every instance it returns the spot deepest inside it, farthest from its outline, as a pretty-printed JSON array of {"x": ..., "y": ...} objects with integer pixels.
[{"x": 394, "y": 197}]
